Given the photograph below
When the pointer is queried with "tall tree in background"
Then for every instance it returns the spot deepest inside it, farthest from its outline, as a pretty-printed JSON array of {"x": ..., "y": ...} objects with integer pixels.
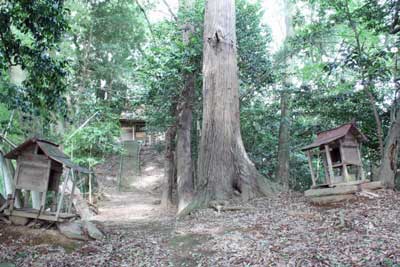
[
  {"x": 282, "y": 172},
  {"x": 185, "y": 112},
  {"x": 224, "y": 168},
  {"x": 385, "y": 16}
]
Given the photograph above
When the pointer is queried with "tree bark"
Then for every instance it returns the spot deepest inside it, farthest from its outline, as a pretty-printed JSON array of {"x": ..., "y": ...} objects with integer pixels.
[
  {"x": 185, "y": 120},
  {"x": 169, "y": 167},
  {"x": 282, "y": 172},
  {"x": 225, "y": 169},
  {"x": 388, "y": 168},
  {"x": 377, "y": 118}
]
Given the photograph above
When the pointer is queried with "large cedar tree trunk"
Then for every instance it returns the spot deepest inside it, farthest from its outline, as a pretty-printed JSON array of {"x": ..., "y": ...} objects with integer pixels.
[
  {"x": 185, "y": 119},
  {"x": 282, "y": 170},
  {"x": 225, "y": 169}
]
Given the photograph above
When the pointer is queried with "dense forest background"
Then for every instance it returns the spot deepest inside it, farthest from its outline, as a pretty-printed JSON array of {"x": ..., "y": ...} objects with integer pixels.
[{"x": 63, "y": 62}]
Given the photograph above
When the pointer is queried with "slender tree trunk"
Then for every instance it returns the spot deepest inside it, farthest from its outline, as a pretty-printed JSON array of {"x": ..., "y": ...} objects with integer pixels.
[
  {"x": 282, "y": 171},
  {"x": 377, "y": 118},
  {"x": 185, "y": 121},
  {"x": 225, "y": 169},
  {"x": 283, "y": 146},
  {"x": 169, "y": 167}
]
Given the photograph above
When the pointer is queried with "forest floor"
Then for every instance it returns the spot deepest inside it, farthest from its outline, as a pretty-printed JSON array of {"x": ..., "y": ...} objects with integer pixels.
[{"x": 281, "y": 230}]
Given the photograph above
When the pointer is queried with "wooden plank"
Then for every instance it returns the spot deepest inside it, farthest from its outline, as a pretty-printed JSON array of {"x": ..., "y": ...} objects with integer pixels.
[
  {"x": 62, "y": 194},
  {"x": 325, "y": 163},
  {"x": 42, "y": 216},
  {"x": 343, "y": 189},
  {"x": 311, "y": 168},
  {"x": 337, "y": 190},
  {"x": 345, "y": 172},
  {"x": 361, "y": 167},
  {"x": 72, "y": 192},
  {"x": 353, "y": 182},
  {"x": 14, "y": 187},
  {"x": 90, "y": 185},
  {"x": 44, "y": 194},
  {"x": 33, "y": 173},
  {"x": 329, "y": 163}
]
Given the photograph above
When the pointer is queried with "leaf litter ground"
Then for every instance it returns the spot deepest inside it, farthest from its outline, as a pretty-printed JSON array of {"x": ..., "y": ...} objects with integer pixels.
[{"x": 281, "y": 230}]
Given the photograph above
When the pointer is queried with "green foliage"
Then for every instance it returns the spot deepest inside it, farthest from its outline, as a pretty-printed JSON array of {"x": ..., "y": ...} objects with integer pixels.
[
  {"x": 253, "y": 37},
  {"x": 29, "y": 37},
  {"x": 163, "y": 65},
  {"x": 92, "y": 143},
  {"x": 260, "y": 126},
  {"x": 90, "y": 146}
]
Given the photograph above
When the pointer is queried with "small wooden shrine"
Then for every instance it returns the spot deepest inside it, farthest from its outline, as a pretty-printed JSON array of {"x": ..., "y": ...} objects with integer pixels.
[
  {"x": 40, "y": 165},
  {"x": 340, "y": 151},
  {"x": 132, "y": 127}
]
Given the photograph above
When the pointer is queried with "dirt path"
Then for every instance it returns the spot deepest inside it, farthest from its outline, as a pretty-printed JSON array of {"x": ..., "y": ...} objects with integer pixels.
[{"x": 141, "y": 203}]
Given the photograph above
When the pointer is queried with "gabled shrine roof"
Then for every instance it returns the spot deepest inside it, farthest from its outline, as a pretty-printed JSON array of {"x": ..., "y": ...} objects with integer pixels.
[{"x": 328, "y": 136}]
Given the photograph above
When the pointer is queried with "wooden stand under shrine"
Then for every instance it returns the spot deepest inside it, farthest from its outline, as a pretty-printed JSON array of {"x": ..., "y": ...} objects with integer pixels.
[{"x": 340, "y": 152}]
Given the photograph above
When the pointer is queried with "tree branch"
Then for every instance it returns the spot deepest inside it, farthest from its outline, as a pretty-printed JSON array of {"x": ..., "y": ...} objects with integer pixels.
[
  {"x": 145, "y": 17},
  {"x": 170, "y": 10}
]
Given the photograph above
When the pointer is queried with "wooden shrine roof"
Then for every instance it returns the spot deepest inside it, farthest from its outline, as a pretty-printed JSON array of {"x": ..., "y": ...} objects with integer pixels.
[
  {"x": 328, "y": 136},
  {"x": 50, "y": 149}
]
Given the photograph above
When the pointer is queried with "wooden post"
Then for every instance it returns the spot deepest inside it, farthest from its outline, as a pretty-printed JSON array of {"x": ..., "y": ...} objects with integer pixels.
[
  {"x": 72, "y": 192},
  {"x": 325, "y": 163},
  {"x": 360, "y": 167},
  {"x": 318, "y": 165},
  {"x": 311, "y": 168},
  {"x": 345, "y": 173},
  {"x": 27, "y": 194},
  {"x": 44, "y": 194},
  {"x": 329, "y": 163},
  {"x": 14, "y": 184},
  {"x": 62, "y": 195},
  {"x": 120, "y": 172},
  {"x": 54, "y": 202},
  {"x": 90, "y": 184}
]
